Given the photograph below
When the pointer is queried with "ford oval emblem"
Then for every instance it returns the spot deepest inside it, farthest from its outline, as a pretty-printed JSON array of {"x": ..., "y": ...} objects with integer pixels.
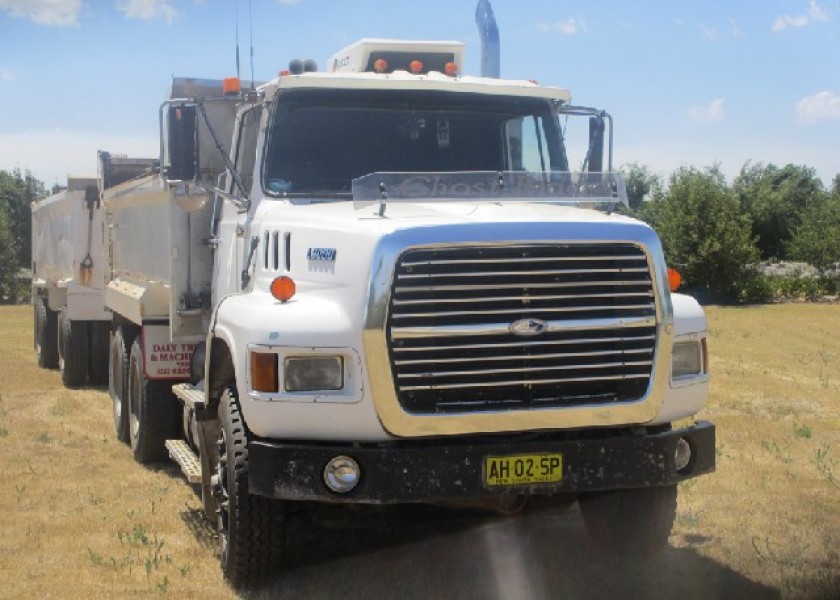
[{"x": 528, "y": 327}]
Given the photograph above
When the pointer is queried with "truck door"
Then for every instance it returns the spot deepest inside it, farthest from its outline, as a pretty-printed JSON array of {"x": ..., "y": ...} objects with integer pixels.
[{"x": 232, "y": 228}]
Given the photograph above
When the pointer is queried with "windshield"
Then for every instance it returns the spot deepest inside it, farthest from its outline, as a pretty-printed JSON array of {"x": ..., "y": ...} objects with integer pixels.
[{"x": 320, "y": 141}]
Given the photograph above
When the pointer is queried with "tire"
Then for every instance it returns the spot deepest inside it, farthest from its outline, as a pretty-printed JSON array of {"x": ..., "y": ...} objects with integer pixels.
[
  {"x": 99, "y": 350},
  {"x": 118, "y": 383},
  {"x": 46, "y": 335},
  {"x": 252, "y": 529},
  {"x": 630, "y": 523},
  {"x": 74, "y": 350},
  {"x": 153, "y": 415}
]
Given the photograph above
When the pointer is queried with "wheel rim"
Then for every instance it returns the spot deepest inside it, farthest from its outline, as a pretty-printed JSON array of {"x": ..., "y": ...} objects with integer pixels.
[
  {"x": 223, "y": 496},
  {"x": 116, "y": 381},
  {"x": 133, "y": 399}
]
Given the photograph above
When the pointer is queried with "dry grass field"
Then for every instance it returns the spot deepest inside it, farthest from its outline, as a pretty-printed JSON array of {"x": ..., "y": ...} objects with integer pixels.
[{"x": 82, "y": 520}]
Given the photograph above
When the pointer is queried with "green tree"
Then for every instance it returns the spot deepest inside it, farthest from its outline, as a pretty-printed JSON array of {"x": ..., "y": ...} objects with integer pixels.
[
  {"x": 817, "y": 238},
  {"x": 17, "y": 192},
  {"x": 775, "y": 199},
  {"x": 641, "y": 184},
  {"x": 8, "y": 258},
  {"x": 705, "y": 235}
]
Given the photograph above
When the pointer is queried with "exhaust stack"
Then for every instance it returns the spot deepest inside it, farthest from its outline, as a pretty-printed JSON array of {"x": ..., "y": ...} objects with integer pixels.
[{"x": 488, "y": 32}]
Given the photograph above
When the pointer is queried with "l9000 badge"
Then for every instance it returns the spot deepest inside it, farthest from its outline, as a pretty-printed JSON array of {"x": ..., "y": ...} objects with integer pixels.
[{"x": 321, "y": 254}]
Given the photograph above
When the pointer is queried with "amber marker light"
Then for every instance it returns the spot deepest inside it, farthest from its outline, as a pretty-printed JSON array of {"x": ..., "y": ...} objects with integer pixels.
[
  {"x": 416, "y": 66},
  {"x": 230, "y": 85},
  {"x": 283, "y": 288},
  {"x": 380, "y": 65},
  {"x": 674, "y": 279},
  {"x": 450, "y": 69},
  {"x": 264, "y": 372}
]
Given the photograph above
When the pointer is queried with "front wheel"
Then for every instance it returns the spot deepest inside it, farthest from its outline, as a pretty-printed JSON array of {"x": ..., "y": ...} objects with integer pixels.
[
  {"x": 627, "y": 523},
  {"x": 252, "y": 529}
]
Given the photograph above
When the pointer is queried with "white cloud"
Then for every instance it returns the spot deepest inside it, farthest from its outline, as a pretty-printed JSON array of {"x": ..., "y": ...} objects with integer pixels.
[
  {"x": 709, "y": 33},
  {"x": 820, "y": 106},
  {"x": 58, "y": 13},
  {"x": 815, "y": 13},
  {"x": 734, "y": 28},
  {"x": 5, "y": 74},
  {"x": 569, "y": 26},
  {"x": 712, "y": 112},
  {"x": 53, "y": 154},
  {"x": 149, "y": 10}
]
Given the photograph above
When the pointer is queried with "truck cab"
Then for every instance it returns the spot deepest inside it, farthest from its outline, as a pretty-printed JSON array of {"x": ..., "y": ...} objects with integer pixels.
[{"x": 394, "y": 283}]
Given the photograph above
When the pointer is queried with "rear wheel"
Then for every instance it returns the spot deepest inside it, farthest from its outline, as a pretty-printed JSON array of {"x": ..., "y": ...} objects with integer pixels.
[
  {"x": 99, "y": 350},
  {"x": 74, "y": 350},
  {"x": 252, "y": 529},
  {"x": 153, "y": 415},
  {"x": 628, "y": 523},
  {"x": 118, "y": 382},
  {"x": 46, "y": 335}
]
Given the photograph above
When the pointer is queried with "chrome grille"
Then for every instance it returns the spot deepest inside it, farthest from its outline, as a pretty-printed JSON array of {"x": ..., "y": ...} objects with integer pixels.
[{"x": 451, "y": 310}]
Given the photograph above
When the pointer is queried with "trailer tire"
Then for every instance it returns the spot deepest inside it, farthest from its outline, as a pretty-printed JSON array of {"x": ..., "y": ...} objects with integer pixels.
[
  {"x": 635, "y": 522},
  {"x": 73, "y": 350},
  {"x": 252, "y": 529},
  {"x": 153, "y": 414},
  {"x": 46, "y": 335},
  {"x": 118, "y": 382},
  {"x": 99, "y": 350}
]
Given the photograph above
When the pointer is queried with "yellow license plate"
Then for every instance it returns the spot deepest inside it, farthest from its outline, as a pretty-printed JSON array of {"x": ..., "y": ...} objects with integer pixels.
[{"x": 523, "y": 469}]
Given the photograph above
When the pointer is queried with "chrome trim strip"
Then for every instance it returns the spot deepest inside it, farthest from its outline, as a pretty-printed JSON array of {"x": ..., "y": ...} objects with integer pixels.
[
  {"x": 529, "y": 260},
  {"x": 497, "y": 328},
  {"x": 522, "y": 298},
  {"x": 455, "y": 386},
  {"x": 473, "y": 287},
  {"x": 533, "y": 357},
  {"x": 526, "y": 343},
  {"x": 400, "y": 423},
  {"x": 519, "y": 273},
  {"x": 519, "y": 311},
  {"x": 612, "y": 365}
]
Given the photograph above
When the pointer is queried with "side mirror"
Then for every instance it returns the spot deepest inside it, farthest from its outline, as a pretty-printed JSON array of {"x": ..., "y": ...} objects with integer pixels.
[
  {"x": 181, "y": 143},
  {"x": 596, "y": 144}
]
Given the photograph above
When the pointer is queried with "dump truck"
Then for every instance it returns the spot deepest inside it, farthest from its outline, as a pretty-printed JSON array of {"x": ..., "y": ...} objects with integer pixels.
[
  {"x": 388, "y": 282},
  {"x": 69, "y": 271}
]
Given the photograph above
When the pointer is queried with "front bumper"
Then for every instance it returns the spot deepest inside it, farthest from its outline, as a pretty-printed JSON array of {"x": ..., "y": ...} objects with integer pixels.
[{"x": 453, "y": 470}]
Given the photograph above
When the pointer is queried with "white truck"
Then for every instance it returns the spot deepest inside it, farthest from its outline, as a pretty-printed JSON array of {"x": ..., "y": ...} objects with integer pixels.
[
  {"x": 69, "y": 270},
  {"x": 386, "y": 284}
]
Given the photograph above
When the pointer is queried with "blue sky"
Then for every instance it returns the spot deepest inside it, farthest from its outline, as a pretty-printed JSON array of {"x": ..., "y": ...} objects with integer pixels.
[{"x": 692, "y": 83}]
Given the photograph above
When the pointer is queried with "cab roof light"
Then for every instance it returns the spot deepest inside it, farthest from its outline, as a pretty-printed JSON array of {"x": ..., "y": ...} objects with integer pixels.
[
  {"x": 416, "y": 66},
  {"x": 450, "y": 69},
  {"x": 380, "y": 65},
  {"x": 230, "y": 85}
]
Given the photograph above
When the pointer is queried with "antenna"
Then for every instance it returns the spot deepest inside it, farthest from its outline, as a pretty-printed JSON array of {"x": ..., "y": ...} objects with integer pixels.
[
  {"x": 251, "y": 27},
  {"x": 237, "y": 39}
]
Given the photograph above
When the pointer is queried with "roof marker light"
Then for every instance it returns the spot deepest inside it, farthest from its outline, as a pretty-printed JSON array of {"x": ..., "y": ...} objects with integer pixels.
[
  {"x": 380, "y": 65},
  {"x": 450, "y": 69},
  {"x": 230, "y": 85},
  {"x": 416, "y": 66}
]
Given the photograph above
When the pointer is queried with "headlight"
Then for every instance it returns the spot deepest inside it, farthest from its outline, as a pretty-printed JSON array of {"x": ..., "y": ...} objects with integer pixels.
[
  {"x": 313, "y": 373},
  {"x": 687, "y": 359}
]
